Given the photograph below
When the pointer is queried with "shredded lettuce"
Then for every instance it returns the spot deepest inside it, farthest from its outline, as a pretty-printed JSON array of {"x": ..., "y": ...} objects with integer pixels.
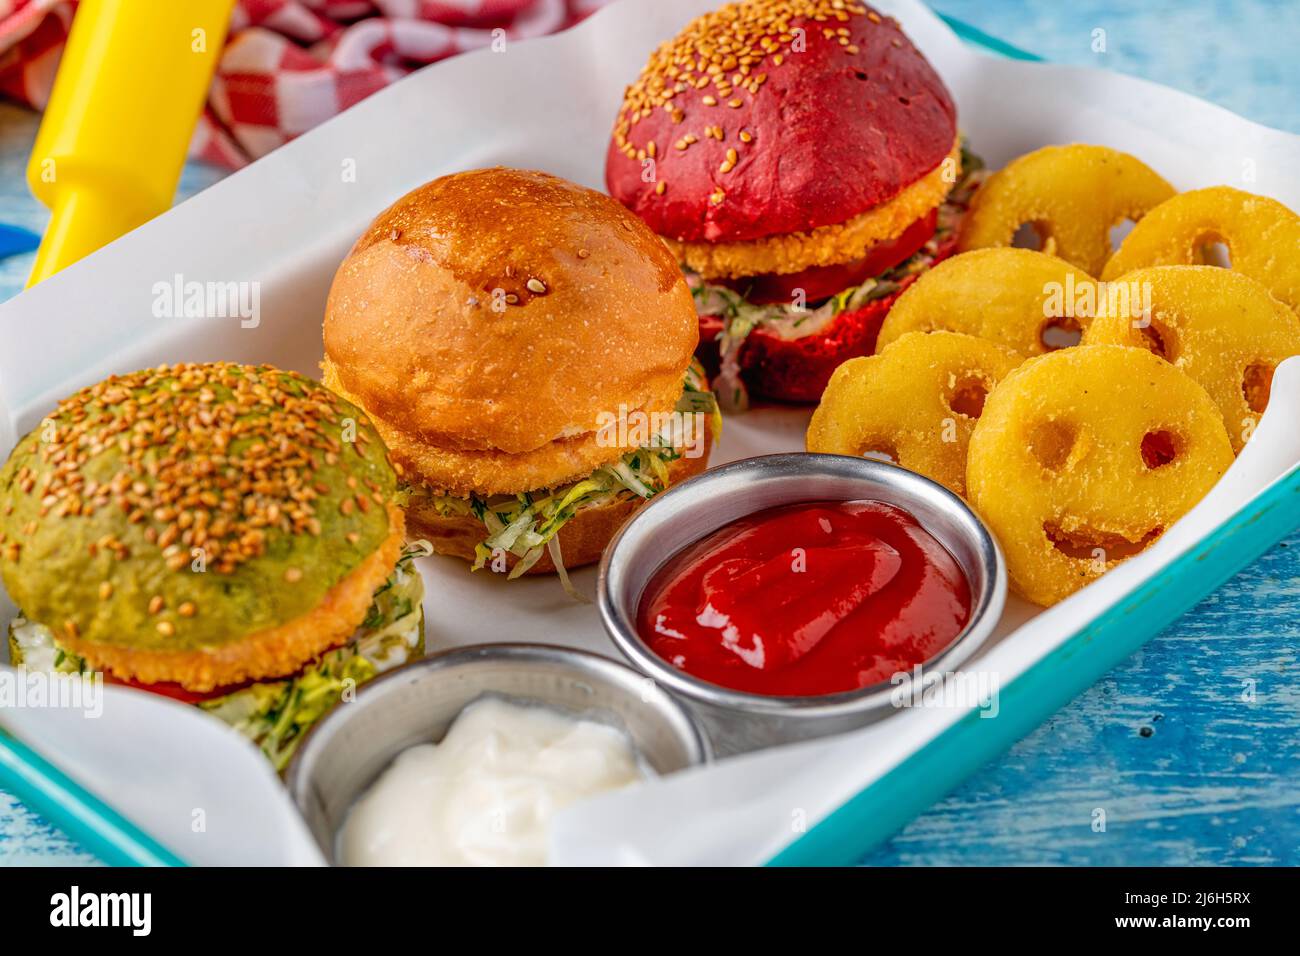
[
  {"x": 276, "y": 714},
  {"x": 794, "y": 321},
  {"x": 557, "y": 558},
  {"x": 526, "y": 525},
  {"x": 32, "y": 646},
  {"x": 523, "y": 525}
]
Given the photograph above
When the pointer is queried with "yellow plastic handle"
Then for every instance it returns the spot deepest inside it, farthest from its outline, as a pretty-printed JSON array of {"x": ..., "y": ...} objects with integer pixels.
[{"x": 130, "y": 88}]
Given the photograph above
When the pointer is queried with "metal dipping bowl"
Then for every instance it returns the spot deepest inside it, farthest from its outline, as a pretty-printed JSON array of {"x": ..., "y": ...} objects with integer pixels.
[
  {"x": 737, "y": 720},
  {"x": 345, "y": 753}
]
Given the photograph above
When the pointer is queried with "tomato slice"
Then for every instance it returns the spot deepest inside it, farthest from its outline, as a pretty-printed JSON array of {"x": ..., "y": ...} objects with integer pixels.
[
  {"x": 176, "y": 691},
  {"x": 822, "y": 282}
]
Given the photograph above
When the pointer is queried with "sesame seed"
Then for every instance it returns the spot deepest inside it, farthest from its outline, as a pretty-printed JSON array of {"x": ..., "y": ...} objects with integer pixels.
[
  {"x": 105, "y": 591},
  {"x": 536, "y": 286},
  {"x": 166, "y": 628},
  {"x": 727, "y": 49},
  {"x": 660, "y": 187},
  {"x": 155, "y": 604},
  {"x": 293, "y": 575},
  {"x": 187, "y": 609},
  {"x": 213, "y": 455}
]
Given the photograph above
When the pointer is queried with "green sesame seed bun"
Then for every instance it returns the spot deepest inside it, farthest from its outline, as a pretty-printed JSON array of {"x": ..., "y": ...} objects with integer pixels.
[{"x": 201, "y": 526}]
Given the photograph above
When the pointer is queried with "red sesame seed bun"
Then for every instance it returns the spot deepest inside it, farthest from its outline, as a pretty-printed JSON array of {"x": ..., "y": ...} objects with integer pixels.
[{"x": 808, "y": 139}]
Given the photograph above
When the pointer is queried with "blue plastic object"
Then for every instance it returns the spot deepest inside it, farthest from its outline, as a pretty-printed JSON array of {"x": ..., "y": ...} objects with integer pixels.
[{"x": 15, "y": 240}]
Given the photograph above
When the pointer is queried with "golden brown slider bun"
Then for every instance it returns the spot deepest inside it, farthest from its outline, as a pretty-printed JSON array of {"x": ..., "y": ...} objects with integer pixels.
[
  {"x": 486, "y": 319},
  {"x": 582, "y": 539}
]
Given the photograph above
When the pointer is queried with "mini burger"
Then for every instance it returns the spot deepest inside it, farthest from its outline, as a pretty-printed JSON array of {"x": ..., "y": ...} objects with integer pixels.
[
  {"x": 224, "y": 534},
  {"x": 524, "y": 346},
  {"x": 801, "y": 160}
]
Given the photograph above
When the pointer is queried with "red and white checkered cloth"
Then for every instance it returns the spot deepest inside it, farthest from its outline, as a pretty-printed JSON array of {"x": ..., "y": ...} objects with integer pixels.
[{"x": 290, "y": 64}]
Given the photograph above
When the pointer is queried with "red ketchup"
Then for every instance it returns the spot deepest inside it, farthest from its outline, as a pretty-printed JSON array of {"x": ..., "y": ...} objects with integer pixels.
[{"x": 806, "y": 599}]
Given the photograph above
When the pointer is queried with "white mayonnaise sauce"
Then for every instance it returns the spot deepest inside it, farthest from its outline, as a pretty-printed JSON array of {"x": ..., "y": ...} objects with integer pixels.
[{"x": 485, "y": 795}]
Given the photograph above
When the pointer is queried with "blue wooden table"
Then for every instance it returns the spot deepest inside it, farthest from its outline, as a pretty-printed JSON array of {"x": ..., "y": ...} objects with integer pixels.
[{"x": 1192, "y": 748}]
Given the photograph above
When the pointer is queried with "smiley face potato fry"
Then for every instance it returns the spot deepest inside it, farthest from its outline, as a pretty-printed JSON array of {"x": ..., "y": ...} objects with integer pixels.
[
  {"x": 1262, "y": 237},
  {"x": 1222, "y": 328},
  {"x": 1072, "y": 195},
  {"x": 1010, "y": 296},
  {"x": 916, "y": 401},
  {"x": 1084, "y": 456}
]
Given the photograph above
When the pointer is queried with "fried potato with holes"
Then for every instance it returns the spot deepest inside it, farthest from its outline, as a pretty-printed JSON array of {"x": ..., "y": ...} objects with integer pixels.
[
  {"x": 1071, "y": 195},
  {"x": 1009, "y": 296},
  {"x": 916, "y": 402},
  {"x": 1262, "y": 237},
  {"x": 1222, "y": 328},
  {"x": 1084, "y": 457}
]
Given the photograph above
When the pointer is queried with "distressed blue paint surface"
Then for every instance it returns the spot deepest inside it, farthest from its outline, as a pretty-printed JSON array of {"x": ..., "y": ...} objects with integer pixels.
[{"x": 1185, "y": 768}]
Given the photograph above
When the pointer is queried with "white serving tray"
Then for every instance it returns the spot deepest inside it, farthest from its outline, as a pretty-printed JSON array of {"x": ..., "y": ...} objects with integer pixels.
[{"x": 286, "y": 222}]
